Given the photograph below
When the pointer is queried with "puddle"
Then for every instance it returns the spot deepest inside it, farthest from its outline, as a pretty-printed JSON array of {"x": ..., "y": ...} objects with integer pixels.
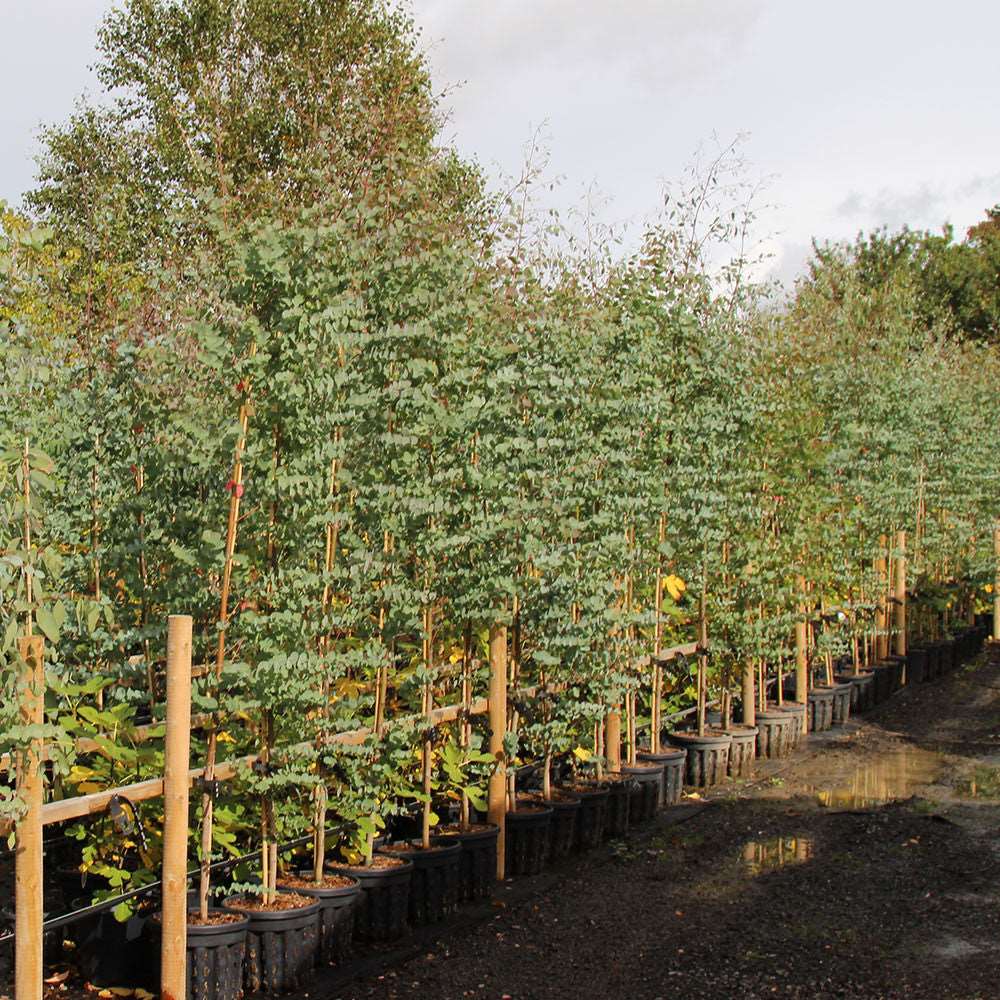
[
  {"x": 983, "y": 783},
  {"x": 898, "y": 774},
  {"x": 761, "y": 856}
]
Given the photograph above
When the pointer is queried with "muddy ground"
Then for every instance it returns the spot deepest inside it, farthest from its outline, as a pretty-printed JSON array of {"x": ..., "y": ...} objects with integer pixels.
[{"x": 867, "y": 866}]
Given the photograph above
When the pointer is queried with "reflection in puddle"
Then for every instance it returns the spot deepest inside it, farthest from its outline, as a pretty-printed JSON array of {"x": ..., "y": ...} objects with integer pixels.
[
  {"x": 760, "y": 856},
  {"x": 896, "y": 775}
]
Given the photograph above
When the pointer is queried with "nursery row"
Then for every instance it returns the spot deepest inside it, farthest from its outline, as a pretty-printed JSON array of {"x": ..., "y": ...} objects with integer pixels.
[{"x": 252, "y": 945}]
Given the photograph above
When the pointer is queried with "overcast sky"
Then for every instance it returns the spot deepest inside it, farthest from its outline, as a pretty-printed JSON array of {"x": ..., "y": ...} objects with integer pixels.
[{"x": 860, "y": 112}]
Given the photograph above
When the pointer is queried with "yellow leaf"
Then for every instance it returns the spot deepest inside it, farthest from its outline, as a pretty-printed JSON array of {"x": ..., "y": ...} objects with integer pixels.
[
  {"x": 225, "y": 737},
  {"x": 582, "y": 754},
  {"x": 675, "y": 586},
  {"x": 122, "y": 991}
]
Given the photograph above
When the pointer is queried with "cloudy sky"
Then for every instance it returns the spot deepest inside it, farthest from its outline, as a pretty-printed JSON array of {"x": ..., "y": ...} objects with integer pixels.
[{"x": 859, "y": 113}]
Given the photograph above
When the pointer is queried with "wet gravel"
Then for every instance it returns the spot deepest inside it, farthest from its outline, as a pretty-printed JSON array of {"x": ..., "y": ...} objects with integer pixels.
[{"x": 882, "y": 901}]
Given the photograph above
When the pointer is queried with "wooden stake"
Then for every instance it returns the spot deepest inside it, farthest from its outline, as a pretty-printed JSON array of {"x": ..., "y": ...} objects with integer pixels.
[
  {"x": 28, "y": 861},
  {"x": 498, "y": 729},
  {"x": 749, "y": 708},
  {"x": 177, "y": 763},
  {"x": 996, "y": 584},
  {"x": 801, "y": 654},
  {"x": 613, "y": 739},
  {"x": 900, "y": 587},
  {"x": 882, "y": 613}
]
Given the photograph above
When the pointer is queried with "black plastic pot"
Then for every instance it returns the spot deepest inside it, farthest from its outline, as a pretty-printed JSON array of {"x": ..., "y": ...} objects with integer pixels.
[
  {"x": 562, "y": 829},
  {"x": 527, "y": 840},
  {"x": 862, "y": 690},
  {"x": 618, "y": 815},
  {"x": 647, "y": 789},
  {"x": 947, "y": 656},
  {"x": 707, "y": 756},
  {"x": 591, "y": 819},
  {"x": 434, "y": 885},
  {"x": 281, "y": 946},
  {"x": 477, "y": 862},
  {"x": 110, "y": 952},
  {"x": 899, "y": 678},
  {"x": 798, "y": 711},
  {"x": 821, "y": 708},
  {"x": 932, "y": 661},
  {"x": 336, "y": 917},
  {"x": 841, "y": 703},
  {"x": 883, "y": 671},
  {"x": 916, "y": 665},
  {"x": 743, "y": 751},
  {"x": 774, "y": 730},
  {"x": 672, "y": 759},
  {"x": 381, "y": 910},
  {"x": 215, "y": 956}
]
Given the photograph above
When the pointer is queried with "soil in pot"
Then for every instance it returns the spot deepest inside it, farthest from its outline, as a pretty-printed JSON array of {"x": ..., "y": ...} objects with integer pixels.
[
  {"x": 672, "y": 759},
  {"x": 478, "y": 860},
  {"x": 527, "y": 839},
  {"x": 743, "y": 751},
  {"x": 707, "y": 758},
  {"x": 215, "y": 953},
  {"x": 562, "y": 830},
  {"x": 434, "y": 885},
  {"x": 338, "y": 896},
  {"x": 592, "y": 814},
  {"x": 282, "y": 941},
  {"x": 647, "y": 790},
  {"x": 381, "y": 910}
]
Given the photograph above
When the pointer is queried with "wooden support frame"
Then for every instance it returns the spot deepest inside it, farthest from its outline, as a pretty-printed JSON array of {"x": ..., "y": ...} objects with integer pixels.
[
  {"x": 28, "y": 905},
  {"x": 497, "y": 707}
]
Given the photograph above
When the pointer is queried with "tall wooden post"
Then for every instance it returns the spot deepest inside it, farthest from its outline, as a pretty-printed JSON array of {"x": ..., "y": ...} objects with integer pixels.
[
  {"x": 177, "y": 763},
  {"x": 882, "y": 611},
  {"x": 613, "y": 738},
  {"x": 996, "y": 585},
  {"x": 899, "y": 581},
  {"x": 497, "y": 803},
  {"x": 749, "y": 696},
  {"x": 28, "y": 861},
  {"x": 801, "y": 653}
]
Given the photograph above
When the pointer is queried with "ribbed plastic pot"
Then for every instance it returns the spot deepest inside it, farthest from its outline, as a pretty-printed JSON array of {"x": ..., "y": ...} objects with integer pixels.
[
  {"x": 932, "y": 671},
  {"x": 742, "y": 752},
  {"x": 672, "y": 759},
  {"x": 565, "y": 808},
  {"x": 434, "y": 885},
  {"x": 281, "y": 946},
  {"x": 618, "y": 812},
  {"x": 646, "y": 790},
  {"x": 948, "y": 656},
  {"x": 336, "y": 917},
  {"x": 774, "y": 730},
  {"x": 916, "y": 665},
  {"x": 591, "y": 819},
  {"x": 527, "y": 840},
  {"x": 883, "y": 672},
  {"x": 798, "y": 711},
  {"x": 215, "y": 954},
  {"x": 863, "y": 695},
  {"x": 477, "y": 866},
  {"x": 110, "y": 952},
  {"x": 899, "y": 671},
  {"x": 841, "y": 703},
  {"x": 821, "y": 708},
  {"x": 707, "y": 756},
  {"x": 381, "y": 910}
]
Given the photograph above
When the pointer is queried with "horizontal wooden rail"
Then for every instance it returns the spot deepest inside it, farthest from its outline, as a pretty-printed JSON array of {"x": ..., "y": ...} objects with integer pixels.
[{"x": 93, "y": 803}]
